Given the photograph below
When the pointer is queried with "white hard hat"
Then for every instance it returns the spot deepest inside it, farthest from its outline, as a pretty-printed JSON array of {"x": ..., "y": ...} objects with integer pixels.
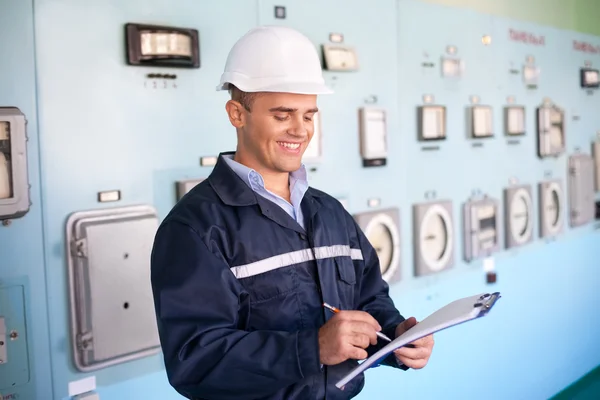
[{"x": 274, "y": 59}]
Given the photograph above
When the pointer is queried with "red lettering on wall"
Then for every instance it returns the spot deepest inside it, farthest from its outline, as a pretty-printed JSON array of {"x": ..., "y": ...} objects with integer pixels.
[
  {"x": 585, "y": 47},
  {"x": 526, "y": 37}
]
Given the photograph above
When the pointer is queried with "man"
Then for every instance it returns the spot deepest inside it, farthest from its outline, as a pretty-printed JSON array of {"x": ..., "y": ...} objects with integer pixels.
[{"x": 243, "y": 263}]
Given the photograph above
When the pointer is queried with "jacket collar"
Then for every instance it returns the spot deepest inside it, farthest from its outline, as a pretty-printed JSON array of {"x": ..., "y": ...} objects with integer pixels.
[
  {"x": 230, "y": 188},
  {"x": 233, "y": 191}
]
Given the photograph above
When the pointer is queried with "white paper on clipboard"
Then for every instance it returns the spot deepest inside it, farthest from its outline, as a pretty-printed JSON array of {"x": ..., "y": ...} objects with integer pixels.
[{"x": 457, "y": 312}]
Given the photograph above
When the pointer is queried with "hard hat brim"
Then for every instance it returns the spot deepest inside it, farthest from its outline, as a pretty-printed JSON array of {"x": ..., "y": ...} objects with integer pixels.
[{"x": 287, "y": 87}]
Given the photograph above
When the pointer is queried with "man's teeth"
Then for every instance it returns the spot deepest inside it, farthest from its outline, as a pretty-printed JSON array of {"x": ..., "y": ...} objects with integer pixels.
[{"x": 292, "y": 146}]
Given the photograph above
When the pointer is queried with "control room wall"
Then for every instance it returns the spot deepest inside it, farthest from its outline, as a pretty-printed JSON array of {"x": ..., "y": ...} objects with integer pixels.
[{"x": 97, "y": 124}]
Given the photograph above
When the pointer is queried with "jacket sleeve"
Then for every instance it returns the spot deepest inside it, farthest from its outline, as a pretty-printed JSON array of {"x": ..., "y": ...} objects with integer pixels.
[
  {"x": 374, "y": 296},
  {"x": 197, "y": 301}
]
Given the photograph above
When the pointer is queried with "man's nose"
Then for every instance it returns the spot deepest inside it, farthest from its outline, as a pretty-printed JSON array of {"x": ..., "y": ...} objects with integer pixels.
[{"x": 299, "y": 127}]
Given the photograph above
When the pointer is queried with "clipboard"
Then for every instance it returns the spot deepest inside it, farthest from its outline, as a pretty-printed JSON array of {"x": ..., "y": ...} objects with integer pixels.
[{"x": 454, "y": 313}]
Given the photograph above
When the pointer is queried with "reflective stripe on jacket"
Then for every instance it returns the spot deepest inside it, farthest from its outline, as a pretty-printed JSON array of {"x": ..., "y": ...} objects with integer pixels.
[{"x": 239, "y": 287}]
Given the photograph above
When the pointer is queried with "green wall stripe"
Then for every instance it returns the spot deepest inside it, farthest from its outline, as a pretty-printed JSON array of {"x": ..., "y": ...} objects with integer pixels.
[
  {"x": 577, "y": 15},
  {"x": 588, "y": 387}
]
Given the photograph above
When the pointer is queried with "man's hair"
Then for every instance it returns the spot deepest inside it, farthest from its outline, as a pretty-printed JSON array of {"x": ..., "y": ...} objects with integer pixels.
[{"x": 244, "y": 98}]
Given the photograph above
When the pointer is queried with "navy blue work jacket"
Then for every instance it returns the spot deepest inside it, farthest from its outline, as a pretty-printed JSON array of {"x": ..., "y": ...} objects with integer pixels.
[{"x": 239, "y": 288}]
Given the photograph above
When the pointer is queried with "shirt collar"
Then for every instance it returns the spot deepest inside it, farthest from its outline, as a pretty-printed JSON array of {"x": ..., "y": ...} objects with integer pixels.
[{"x": 255, "y": 180}]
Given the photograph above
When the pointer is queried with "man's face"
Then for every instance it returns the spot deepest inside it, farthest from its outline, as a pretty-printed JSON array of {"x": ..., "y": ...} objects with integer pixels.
[{"x": 275, "y": 134}]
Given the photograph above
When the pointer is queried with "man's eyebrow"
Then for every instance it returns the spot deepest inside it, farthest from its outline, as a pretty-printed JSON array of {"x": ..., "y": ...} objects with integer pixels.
[
  {"x": 283, "y": 109},
  {"x": 288, "y": 109}
]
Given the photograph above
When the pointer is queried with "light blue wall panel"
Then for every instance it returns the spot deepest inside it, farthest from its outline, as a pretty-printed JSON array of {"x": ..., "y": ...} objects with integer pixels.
[
  {"x": 22, "y": 273},
  {"x": 103, "y": 126}
]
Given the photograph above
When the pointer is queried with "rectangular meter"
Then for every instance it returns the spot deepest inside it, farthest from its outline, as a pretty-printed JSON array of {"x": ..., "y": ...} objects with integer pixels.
[
  {"x": 452, "y": 67},
  {"x": 480, "y": 122},
  {"x": 431, "y": 123},
  {"x": 596, "y": 155},
  {"x": 339, "y": 57},
  {"x": 589, "y": 78},
  {"x": 373, "y": 136},
  {"x": 514, "y": 120},
  {"x": 551, "y": 134},
  {"x": 531, "y": 75},
  {"x": 481, "y": 228},
  {"x": 14, "y": 183}
]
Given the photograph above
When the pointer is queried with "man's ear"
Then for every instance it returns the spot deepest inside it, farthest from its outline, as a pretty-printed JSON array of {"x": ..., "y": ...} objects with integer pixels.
[{"x": 235, "y": 111}]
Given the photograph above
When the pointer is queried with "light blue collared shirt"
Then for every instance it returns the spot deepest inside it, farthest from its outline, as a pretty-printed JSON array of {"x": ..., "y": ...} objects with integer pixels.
[{"x": 298, "y": 186}]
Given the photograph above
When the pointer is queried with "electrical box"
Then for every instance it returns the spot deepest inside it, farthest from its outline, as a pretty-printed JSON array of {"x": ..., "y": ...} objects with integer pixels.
[
  {"x": 518, "y": 215},
  {"x": 14, "y": 182},
  {"x": 552, "y": 208},
  {"x": 111, "y": 304},
  {"x": 581, "y": 189},
  {"x": 382, "y": 229},
  {"x": 14, "y": 351},
  {"x": 431, "y": 122},
  {"x": 589, "y": 78},
  {"x": 183, "y": 187},
  {"x": 433, "y": 237},
  {"x": 596, "y": 155},
  {"x": 480, "y": 122},
  {"x": 481, "y": 228},
  {"x": 373, "y": 136},
  {"x": 551, "y": 130},
  {"x": 514, "y": 120}
]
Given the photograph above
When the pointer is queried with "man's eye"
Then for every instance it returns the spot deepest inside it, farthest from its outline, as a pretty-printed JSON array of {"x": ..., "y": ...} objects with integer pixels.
[{"x": 279, "y": 118}]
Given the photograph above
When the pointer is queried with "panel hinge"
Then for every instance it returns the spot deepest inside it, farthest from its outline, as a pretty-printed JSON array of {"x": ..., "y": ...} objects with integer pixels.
[
  {"x": 84, "y": 341},
  {"x": 3, "y": 342},
  {"x": 79, "y": 248}
]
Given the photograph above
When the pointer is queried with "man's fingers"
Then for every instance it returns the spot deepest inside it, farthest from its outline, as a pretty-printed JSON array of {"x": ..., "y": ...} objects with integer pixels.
[
  {"x": 416, "y": 353},
  {"x": 361, "y": 328},
  {"x": 424, "y": 341},
  {"x": 414, "y": 364},
  {"x": 359, "y": 340},
  {"x": 360, "y": 316},
  {"x": 407, "y": 324},
  {"x": 358, "y": 354}
]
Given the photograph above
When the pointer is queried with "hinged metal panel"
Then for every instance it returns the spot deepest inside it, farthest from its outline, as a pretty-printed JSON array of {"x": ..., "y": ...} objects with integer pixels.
[
  {"x": 112, "y": 309},
  {"x": 3, "y": 342},
  {"x": 581, "y": 189},
  {"x": 14, "y": 351}
]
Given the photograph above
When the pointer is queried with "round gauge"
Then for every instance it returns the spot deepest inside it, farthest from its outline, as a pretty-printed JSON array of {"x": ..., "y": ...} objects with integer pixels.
[
  {"x": 435, "y": 237},
  {"x": 382, "y": 233},
  {"x": 381, "y": 239},
  {"x": 553, "y": 208},
  {"x": 520, "y": 209}
]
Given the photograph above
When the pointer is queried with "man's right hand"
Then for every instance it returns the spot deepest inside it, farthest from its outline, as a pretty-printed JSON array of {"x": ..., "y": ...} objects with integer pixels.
[{"x": 346, "y": 335}]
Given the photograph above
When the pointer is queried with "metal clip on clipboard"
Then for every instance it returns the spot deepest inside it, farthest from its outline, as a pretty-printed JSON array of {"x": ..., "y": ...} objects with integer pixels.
[{"x": 486, "y": 302}]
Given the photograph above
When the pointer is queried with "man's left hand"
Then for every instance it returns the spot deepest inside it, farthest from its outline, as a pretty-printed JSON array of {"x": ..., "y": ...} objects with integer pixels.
[{"x": 415, "y": 357}]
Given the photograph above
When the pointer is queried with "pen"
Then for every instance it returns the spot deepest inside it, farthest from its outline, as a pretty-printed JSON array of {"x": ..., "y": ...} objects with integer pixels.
[{"x": 337, "y": 310}]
